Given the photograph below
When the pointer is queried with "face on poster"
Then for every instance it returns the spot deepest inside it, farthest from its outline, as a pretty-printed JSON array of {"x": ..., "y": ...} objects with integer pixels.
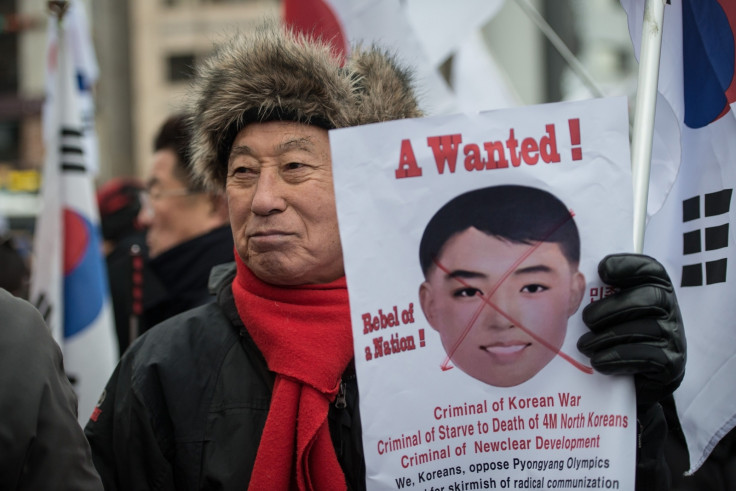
[
  {"x": 502, "y": 278},
  {"x": 471, "y": 245}
]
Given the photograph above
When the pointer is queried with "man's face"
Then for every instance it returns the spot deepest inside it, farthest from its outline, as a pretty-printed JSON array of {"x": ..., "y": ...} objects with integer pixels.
[
  {"x": 282, "y": 203},
  {"x": 171, "y": 213},
  {"x": 538, "y": 294}
]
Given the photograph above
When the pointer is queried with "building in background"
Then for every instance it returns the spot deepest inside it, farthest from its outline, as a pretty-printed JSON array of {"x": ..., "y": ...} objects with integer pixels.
[
  {"x": 167, "y": 37},
  {"x": 21, "y": 155}
]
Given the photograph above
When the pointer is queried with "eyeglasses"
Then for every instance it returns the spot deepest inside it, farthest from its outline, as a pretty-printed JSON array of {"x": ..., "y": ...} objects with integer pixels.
[{"x": 148, "y": 197}]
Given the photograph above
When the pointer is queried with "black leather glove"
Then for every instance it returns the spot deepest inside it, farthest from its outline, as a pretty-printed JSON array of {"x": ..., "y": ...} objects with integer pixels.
[{"x": 638, "y": 330}]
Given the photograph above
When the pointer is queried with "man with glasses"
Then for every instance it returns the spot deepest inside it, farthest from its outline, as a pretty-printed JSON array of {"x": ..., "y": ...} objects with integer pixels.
[{"x": 187, "y": 229}]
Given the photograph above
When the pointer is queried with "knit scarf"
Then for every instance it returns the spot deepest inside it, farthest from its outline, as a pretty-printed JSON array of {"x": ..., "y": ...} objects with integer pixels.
[{"x": 305, "y": 336}]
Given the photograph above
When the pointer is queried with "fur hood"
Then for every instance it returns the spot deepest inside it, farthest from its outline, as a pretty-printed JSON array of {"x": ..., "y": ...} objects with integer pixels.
[{"x": 272, "y": 73}]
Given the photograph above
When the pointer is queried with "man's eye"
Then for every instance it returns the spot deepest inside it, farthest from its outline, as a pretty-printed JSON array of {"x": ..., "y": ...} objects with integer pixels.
[
  {"x": 534, "y": 288},
  {"x": 242, "y": 171},
  {"x": 466, "y": 292},
  {"x": 242, "y": 176},
  {"x": 294, "y": 166}
]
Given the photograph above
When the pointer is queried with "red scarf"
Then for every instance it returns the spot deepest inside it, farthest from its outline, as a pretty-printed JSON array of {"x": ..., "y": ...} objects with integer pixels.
[{"x": 305, "y": 336}]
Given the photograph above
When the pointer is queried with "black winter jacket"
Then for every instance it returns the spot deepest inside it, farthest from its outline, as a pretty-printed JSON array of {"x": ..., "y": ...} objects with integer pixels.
[{"x": 186, "y": 406}]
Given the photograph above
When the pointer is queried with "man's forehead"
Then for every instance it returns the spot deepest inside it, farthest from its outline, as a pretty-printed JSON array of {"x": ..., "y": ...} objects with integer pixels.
[
  {"x": 482, "y": 256},
  {"x": 284, "y": 130},
  {"x": 161, "y": 168},
  {"x": 279, "y": 137}
]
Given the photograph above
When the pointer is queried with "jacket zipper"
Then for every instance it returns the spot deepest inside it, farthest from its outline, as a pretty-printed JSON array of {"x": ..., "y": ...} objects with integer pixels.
[{"x": 340, "y": 402}]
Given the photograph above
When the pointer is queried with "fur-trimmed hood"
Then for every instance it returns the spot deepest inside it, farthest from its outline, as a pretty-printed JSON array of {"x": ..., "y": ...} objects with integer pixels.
[{"x": 273, "y": 73}]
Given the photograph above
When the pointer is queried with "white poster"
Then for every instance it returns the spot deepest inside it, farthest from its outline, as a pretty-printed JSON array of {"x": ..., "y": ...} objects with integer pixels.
[{"x": 471, "y": 245}]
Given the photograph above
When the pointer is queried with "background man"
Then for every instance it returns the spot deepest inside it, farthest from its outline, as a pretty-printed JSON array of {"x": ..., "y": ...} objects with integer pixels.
[{"x": 187, "y": 229}]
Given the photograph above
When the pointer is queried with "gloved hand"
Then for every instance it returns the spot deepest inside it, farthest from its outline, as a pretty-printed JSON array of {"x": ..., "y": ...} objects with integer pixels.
[{"x": 637, "y": 330}]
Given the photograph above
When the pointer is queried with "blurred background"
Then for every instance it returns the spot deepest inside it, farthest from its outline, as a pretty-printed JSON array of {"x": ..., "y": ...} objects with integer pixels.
[{"x": 145, "y": 50}]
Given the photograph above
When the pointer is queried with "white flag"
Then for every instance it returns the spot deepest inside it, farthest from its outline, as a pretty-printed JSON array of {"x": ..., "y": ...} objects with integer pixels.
[
  {"x": 69, "y": 280},
  {"x": 410, "y": 30},
  {"x": 478, "y": 82},
  {"x": 691, "y": 203},
  {"x": 443, "y": 27}
]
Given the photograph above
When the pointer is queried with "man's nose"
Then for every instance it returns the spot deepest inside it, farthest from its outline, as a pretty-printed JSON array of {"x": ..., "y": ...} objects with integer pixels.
[
  {"x": 497, "y": 312},
  {"x": 145, "y": 215},
  {"x": 268, "y": 197}
]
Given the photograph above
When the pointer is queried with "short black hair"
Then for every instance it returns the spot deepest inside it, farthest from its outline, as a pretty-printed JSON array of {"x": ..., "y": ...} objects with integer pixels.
[
  {"x": 175, "y": 134},
  {"x": 520, "y": 214}
]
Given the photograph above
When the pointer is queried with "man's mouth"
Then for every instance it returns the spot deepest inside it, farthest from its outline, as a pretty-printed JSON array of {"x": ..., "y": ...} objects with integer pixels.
[
  {"x": 505, "y": 349},
  {"x": 269, "y": 239},
  {"x": 267, "y": 233}
]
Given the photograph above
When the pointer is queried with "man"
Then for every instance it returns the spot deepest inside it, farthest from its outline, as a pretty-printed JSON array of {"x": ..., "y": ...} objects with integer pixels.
[
  {"x": 501, "y": 320},
  {"x": 186, "y": 225},
  {"x": 41, "y": 443},
  {"x": 210, "y": 399}
]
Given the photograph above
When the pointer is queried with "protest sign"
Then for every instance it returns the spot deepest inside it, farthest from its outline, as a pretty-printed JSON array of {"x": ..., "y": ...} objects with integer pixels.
[{"x": 471, "y": 245}]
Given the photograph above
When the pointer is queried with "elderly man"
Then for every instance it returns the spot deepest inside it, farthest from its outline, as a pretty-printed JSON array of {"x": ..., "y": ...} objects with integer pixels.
[{"x": 258, "y": 390}]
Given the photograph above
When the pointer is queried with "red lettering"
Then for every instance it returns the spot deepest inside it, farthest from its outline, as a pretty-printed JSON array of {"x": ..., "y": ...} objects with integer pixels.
[
  {"x": 473, "y": 160},
  {"x": 496, "y": 155},
  {"x": 445, "y": 149},
  {"x": 369, "y": 323},
  {"x": 407, "y": 162},
  {"x": 511, "y": 145},
  {"x": 577, "y": 153},
  {"x": 490, "y": 155},
  {"x": 548, "y": 145},
  {"x": 378, "y": 347},
  {"x": 529, "y": 151}
]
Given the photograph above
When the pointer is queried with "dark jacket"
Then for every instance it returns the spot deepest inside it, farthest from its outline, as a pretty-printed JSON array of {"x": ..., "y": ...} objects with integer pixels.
[
  {"x": 120, "y": 273},
  {"x": 173, "y": 282},
  {"x": 717, "y": 473},
  {"x": 41, "y": 443},
  {"x": 178, "y": 277},
  {"x": 186, "y": 406}
]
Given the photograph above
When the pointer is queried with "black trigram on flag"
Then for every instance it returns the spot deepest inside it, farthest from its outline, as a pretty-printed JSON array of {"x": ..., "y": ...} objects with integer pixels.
[
  {"x": 713, "y": 237},
  {"x": 71, "y": 151}
]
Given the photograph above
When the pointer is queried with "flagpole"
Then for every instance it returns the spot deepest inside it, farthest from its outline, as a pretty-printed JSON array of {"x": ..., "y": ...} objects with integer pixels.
[{"x": 646, "y": 99}]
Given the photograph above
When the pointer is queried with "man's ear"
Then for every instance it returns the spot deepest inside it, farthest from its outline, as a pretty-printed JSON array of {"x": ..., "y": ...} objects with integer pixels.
[
  {"x": 577, "y": 290},
  {"x": 218, "y": 207},
  {"x": 426, "y": 300}
]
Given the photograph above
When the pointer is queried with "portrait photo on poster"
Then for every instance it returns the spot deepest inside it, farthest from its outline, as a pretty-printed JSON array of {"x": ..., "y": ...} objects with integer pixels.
[{"x": 501, "y": 280}]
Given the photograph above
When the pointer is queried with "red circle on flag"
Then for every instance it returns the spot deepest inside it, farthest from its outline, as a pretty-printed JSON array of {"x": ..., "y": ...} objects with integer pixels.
[{"x": 76, "y": 239}]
